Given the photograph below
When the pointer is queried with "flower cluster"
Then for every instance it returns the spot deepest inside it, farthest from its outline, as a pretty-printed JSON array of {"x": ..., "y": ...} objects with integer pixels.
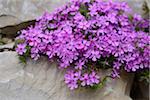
[
  {"x": 86, "y": 35},
  {"x": 76, "y": 79}
]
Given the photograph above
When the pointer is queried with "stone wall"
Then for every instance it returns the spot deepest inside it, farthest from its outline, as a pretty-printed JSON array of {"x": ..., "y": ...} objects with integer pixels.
[{"x": 42, "y": 80}]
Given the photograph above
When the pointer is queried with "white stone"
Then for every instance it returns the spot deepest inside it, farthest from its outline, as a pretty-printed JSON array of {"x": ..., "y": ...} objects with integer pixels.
[
  {"x": 13, "y": 12},
  {"x": 41, "y": 80},
  {"x": 8, "y": 46}
]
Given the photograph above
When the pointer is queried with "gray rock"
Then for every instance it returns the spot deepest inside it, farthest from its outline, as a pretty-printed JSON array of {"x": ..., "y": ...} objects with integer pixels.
[
  {"x": 4, "y": 40},
  {"x": 137, "y": 5},
  {"x": 17, "y": 11},
  {"x": 41, "y": 80},
  {"x": 9, "y": 66},
  {"x": 11, "y": 31},
  {"x": 16, "y": 15},
  {"x": 144, "y": 90},
  {"x": 7, "y": 46},
  {"x": 8, "y": 20}
]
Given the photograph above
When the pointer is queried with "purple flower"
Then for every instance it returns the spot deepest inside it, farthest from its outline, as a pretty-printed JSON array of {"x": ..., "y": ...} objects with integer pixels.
[
  {"x": 21, "y": 49},
  {"x": 115, "y": 73},
  {"x": 84, "y": 25},
  {"x": 71, "y": 80},
  {"x": 112, "y": 17},
  {"x": 94, "y": 78},
  {"x": 117, "y": 65},
  {"x": 80, "y": 64},
  {"x": 89, "y": 79},
  {"x": 35, "y": 56},
  {"x": 85, "y": 80},
  {"x": 78, "y": 17},
  {"x": 34, "y": 41}
]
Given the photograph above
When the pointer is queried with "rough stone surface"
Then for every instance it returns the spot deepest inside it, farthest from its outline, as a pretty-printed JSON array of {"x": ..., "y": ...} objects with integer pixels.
[
  {"x": 11, "y": 31},
  {"x": 137, "y": 5},
  {"x": 5, "y": 40},
  {"x": 17, "y": 11},
  {"x": 8, "y": 20},
  {"x": 41, "y": 80},
  {"x": 144, "y": 88},
  {"x": 7, "y": 46}
]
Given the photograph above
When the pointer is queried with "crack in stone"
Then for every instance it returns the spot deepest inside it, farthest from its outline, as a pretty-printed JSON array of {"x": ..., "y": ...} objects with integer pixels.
[{"x": 7, "y": 49}]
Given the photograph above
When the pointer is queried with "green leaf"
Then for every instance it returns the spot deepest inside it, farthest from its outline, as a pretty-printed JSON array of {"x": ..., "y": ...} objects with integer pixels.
[
  {"x": 27, "y": 53},
  {"x": 101, "y": 84},
  {"x": 144, "y": 76},
  {"x": 130, "y": 17},
  {"x": 22, "y": 59},
  {"x": 84, "y": 10},
  {"x": 18, "y": 41}
]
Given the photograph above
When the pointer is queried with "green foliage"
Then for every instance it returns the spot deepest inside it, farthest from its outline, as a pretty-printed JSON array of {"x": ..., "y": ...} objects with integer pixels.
[
  {"x": 18, "y": 41},
  {"x": 130, "y": 17},
  {"x": 24, "y": 57},
  {"x": 101, "y": 84},
  {"x": 84, "y": 10},
  {"x": 2, "y": 42},
  {"x": 105, "y": 62},
  {"x": 146, "y": 9},
  {"x": 144, "y": 76}
]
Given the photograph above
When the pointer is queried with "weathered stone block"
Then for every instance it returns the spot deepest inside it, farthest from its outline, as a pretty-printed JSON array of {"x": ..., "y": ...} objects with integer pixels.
[{"x": 41, "y": 80}]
